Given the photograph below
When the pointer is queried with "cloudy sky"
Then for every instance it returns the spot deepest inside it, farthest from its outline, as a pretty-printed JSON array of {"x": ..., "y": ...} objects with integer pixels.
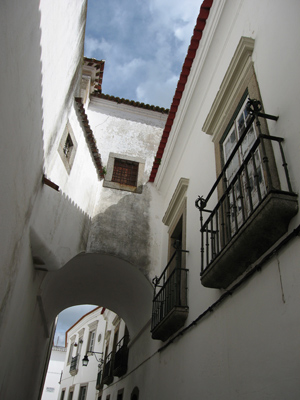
[
  {"x": 66, "y": 319},
  {"x": 144, "y": 44}
]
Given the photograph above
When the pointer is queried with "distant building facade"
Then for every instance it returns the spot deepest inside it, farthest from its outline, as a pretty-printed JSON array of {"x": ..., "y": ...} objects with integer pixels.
[{"x": 100, "y": 338}]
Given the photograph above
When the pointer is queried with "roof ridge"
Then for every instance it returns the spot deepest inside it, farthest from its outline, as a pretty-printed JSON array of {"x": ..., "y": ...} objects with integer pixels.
[{"x": 130, "y": 102}]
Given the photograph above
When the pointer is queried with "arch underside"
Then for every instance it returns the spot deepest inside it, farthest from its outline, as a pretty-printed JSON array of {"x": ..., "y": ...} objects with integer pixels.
[{"x": 100, "y": 279}]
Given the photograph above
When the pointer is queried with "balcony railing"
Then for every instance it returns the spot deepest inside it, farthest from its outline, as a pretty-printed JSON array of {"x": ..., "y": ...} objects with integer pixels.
[
  {"x": 74, "y": 365},
  {"x": 170, "y": 307},
  {"x": 99, "y": 381},
  {"x": 107, "y": 369},
  {"x": 251, "y": 210},
  {"x": 121, "y": 357}
]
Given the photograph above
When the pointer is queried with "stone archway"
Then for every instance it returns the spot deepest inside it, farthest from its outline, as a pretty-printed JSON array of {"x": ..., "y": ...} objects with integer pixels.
[{"x": 94, "y": 278}]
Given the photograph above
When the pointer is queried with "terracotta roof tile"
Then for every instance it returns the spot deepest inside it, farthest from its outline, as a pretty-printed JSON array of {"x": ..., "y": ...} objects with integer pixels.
[
  {"x": 90, "y": 139},
  {"x": 197, "y": 35},
  {"x": 130, "y": 102},
  {"x": 99, "y": 65}
]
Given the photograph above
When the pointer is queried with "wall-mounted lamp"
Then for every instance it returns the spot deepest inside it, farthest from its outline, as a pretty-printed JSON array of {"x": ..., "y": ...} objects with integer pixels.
[{"x": 85, "y": 359}]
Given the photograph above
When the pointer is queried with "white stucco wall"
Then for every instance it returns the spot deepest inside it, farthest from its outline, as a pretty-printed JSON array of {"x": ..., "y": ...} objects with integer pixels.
[
  {"x": 248, "y": 348},
  {"x": 121, "y": 216},
  {"x": 31, "y": 104},
  {"x": 55, "y": 368}
]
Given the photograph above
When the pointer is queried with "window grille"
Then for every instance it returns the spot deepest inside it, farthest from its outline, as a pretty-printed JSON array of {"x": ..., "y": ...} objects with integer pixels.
[{"x": 125, "y": 172}]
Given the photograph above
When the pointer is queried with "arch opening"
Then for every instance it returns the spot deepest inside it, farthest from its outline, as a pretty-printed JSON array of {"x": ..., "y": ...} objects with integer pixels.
[{"x": 105, "y": 280}]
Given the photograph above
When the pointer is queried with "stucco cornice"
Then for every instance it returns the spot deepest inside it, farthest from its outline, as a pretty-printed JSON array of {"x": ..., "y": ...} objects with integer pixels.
[
  {"x": 234, "y": 77},
  {"x": 150, "y": 114},
  {"x": 176, "y": 201}
]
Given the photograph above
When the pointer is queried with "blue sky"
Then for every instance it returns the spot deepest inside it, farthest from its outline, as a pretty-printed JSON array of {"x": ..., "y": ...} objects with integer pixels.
[{"x": 143, "y": 43}]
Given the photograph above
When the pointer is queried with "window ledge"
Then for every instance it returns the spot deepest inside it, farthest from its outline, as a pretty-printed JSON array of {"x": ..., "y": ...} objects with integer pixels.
[{"x": 265, "y": 226}]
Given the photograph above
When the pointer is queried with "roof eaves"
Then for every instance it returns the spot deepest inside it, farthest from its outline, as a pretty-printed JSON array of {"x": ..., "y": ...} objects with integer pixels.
[
  {"x": 90, "y": 138},
  {"x": 186, "y": 68},
  {"x": 99, "y": 66},
  {"x": 130, "y": 102}
]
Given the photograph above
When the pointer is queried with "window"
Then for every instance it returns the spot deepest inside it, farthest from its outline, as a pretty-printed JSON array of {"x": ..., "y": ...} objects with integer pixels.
[
  {"x": 248, "y": 208},
  {"x": 251, "y": 184},
  {"x": 135, "y": 394},
  {"x": 120, "y": 394},
  {"x": 80, "y": 342},
  {"x": 67, "y": 147},
  {"x": 124, "y": 173},
  {"x": 71, "y": 351},
  {"x": 91, "y": 341},
  {"x": 62, "y": 395},
  {"x": 71, "y": 391},
  {"x": 82, "y": 392}
]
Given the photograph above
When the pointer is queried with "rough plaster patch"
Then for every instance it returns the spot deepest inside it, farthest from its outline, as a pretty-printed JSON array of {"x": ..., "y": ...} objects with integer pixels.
[{"x": 122, "y": 228}]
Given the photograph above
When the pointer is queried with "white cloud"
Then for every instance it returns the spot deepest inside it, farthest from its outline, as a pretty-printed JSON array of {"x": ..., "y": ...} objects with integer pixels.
[
  {"x": 93, "y": 45},
  {"x": 159, "y": 92},
  {"x": 144, "y": 45}
]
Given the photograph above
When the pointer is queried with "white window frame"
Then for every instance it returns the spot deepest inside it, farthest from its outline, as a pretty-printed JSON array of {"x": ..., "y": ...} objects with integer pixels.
[{"x": 70, "y": 355}]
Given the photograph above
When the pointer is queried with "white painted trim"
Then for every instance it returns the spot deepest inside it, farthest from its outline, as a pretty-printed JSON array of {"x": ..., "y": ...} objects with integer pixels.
[
  {"x": 93, "y": 325},
  {"x": 176, "y": 201}
]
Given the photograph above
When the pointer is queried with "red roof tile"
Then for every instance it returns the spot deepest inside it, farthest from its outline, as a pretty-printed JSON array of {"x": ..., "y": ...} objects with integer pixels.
[
  {"x": 90, "y": 139},
  {"x": 99, "y": 65}
]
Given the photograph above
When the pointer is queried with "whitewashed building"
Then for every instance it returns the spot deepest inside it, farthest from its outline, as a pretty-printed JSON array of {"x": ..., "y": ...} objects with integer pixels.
[
  {"x": 54, "y": 373},
  {"x": 99, "y": 337},
  {"x": 100, "y": 192}
]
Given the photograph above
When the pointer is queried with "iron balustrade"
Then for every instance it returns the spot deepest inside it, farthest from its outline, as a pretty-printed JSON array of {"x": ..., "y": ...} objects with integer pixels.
[
  {"x": 239, "y": 197},
  {"x": 99, "y": 383},
  {"x": 170, "y": 289},
  {"x": 107, "y": 373},
  {"x": 74, "y": 364},
  {"x": 121, "y": 357}
]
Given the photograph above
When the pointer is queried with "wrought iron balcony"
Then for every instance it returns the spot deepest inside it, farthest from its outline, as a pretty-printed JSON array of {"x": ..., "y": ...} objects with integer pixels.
[
  {"x": 170, "y": 308},
  {"x": 74, "y": 365},
  {"x": 107, "y": 370},
  {"x": 99, "y": 381},
  {"x": 250, "y": 211},
  {"x": 121, "y": 357}
]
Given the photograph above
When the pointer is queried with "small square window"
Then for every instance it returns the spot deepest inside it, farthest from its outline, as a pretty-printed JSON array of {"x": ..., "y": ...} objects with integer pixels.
[
  {"x": 125, "y": 173},
  {"x": 67, "y": 147}
]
